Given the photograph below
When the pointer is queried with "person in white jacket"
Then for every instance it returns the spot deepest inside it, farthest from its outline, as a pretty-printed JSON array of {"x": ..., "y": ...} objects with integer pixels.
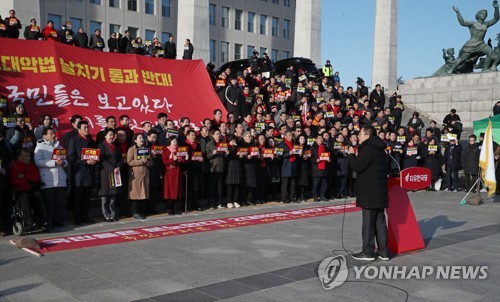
[{"x": 53, "y": 176}]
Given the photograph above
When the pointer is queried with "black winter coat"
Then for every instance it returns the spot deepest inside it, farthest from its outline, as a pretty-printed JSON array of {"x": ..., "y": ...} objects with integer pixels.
[
  {"x": 232, "y": 100},
  {"x": 453, "y": 157},
  {"x": 303, "y": 169},
  {"x": 170, "y": 50},
  {"x": 108, "y": 161},
  {"x": 234, "y": 172},
  {"x": 315, "y": 171},
  {"x": 250, "y": 167},
  {"x": 82, "y": 40},
  {"x": 188, "y": 52},
  {"x": 372, "y": 168},
  {"x": 471, "y": 159},
  {"x": 194, "y": 170},
  {"x": 288, "y": 168},
  {"x": 433, "y": 162},
  {"x": 81, "y": 172}
]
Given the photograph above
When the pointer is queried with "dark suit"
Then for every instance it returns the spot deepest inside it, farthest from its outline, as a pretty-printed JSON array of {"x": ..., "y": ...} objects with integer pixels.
[
  {"x": 81, "y": 177},
  {"x": 288, "y": 174},
  {"x": 319, "y": 176}
]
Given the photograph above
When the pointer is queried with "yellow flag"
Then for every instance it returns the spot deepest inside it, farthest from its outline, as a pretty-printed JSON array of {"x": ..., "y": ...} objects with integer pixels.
[{"x": 487, "y": 162}]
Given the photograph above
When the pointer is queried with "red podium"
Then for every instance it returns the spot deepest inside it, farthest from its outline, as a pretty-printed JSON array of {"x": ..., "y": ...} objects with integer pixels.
[{"x": 403, "y": 230}]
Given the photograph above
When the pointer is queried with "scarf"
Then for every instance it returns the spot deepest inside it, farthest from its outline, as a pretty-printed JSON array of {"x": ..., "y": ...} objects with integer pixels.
[
  {"x": 263, "y": 161},
  {"x": 123, "y": 147},
  {"x": 321, "y": 164},
  {"x": 290, "y": 147},
  {"x": 111, "y": 147},
  {"x": 192, "y": 145},
  {"x": 172, "y": 150}
]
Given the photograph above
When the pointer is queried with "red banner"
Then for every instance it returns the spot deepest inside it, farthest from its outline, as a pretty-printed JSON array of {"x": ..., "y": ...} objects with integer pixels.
[
  {"x": 185, "y": 228},
  {"x": 63, "y": 80}
]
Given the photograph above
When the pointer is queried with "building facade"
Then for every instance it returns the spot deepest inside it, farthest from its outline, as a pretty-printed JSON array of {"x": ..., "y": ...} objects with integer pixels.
[{"x": 220, "y": 30}]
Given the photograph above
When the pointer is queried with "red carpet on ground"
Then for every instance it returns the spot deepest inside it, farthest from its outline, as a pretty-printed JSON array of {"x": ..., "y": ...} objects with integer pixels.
[{"x": 185, "y": 228}]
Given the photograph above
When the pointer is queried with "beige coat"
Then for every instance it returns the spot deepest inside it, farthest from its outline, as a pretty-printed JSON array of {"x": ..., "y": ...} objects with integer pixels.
[{"x": 138, "y": 176}]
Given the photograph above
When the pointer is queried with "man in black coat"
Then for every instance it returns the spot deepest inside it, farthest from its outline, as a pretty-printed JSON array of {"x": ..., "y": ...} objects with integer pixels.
[
  {"x": 170, "y": 48},
  {"x": 82, "y": 173},
  {"x": 74, "y": 120},
  {"x": 320, "y": 170},
  {"x": 471, "y": 162},
  {"x": 232, "y": 98},
  {"x": 371, "y": 167},
  {"x": 453, "y": 164},
  {"x": 13, "y": 25},
  {"x": 125, "y": 41},
  {"x": 377, "y": 97}
]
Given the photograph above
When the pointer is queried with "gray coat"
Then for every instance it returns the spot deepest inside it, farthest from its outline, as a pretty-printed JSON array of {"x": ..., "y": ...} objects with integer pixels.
[{"x": 216, "y": 162}]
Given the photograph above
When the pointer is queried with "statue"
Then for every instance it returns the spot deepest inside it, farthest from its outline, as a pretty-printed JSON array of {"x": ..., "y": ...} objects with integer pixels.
[
  {"x": 449, "y": 61},
  {"x": 476, "y": 46}
]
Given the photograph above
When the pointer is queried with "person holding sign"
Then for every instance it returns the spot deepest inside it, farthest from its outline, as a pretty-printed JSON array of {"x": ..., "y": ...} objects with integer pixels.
[
  {"x": 288, "y": 169},
  {"x": 51, "y": 159},
  {"x": 172, "y": 175},
  {"x": 411, "y": 155},
  {"x": 234, "y": 174},
  {"x": 82, "y": 170},
  {"x": 21, "y": 136},
  {"x": 433, "y": 161},
  {"x": 304, "y": 166},
  {"x": 138, "y": 175},
  {"x": 320, "y": 169},
  {"x": 249, "y": 164},
  {"x": 194, "y": 169},
  {"x": 216, "y": 166},
  {"x": 111, "y": 161}
]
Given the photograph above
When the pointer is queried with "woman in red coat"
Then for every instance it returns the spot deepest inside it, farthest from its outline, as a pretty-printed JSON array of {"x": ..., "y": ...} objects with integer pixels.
[
  {"x": 49, "y": 33},
  {"x": 172, "y": 177}
]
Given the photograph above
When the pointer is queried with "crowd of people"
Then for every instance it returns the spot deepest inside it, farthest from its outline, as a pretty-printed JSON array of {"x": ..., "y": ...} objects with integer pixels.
[
  {"x": 11, "y": 27},
  {"x": 285, "y": 139}
]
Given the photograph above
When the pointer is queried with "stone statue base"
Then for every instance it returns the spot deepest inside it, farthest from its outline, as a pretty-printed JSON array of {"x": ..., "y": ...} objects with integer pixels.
[{"x": 473, "y": 95}]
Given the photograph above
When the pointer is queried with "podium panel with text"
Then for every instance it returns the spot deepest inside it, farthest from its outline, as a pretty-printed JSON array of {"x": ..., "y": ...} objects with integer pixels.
[{"x": 403, "y": 231}]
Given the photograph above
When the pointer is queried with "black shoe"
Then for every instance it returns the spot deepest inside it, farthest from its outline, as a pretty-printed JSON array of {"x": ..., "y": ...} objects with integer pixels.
[
  {"x": 58, "y": 224},
  {"x": 384, "y": 256},
  {"x": 364, "y": 256},
  {"x": 113, "y": 220},
  {"x": 138, "y": 216},
  {"x": 317, "y": 199},
  {"x": 286, "y": 201}
]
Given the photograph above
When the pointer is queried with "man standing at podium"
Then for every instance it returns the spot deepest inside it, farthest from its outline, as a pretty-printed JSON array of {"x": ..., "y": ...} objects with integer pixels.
[{"x": 370, "y": 164}]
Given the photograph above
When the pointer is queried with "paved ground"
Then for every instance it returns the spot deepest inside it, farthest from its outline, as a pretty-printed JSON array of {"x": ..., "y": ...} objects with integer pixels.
[{"x": 269, "y": 262}]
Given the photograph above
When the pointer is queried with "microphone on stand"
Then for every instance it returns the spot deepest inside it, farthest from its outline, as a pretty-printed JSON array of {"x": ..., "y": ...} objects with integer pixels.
[{"x": 399, "y": 167}]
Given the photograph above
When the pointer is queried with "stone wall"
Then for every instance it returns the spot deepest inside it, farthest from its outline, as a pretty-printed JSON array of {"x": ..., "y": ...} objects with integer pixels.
[{"x": 472, "y": 95}]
